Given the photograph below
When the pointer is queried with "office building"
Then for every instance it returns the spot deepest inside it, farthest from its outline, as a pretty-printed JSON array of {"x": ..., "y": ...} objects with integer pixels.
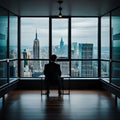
[
  {"x": 36, "y": 54},
  {"x": 86, "y": 52}
]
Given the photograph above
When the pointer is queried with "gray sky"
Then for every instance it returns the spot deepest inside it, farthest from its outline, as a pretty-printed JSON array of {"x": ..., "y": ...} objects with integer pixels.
[{"x": 84, "y": 30}]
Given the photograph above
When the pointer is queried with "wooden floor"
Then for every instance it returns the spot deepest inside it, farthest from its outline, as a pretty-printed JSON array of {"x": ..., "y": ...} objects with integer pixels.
[{"x": 79, "y": 105}]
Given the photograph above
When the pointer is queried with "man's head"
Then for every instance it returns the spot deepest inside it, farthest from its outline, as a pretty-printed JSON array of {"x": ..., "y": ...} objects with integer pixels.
[{"x": 53, "y": 57}]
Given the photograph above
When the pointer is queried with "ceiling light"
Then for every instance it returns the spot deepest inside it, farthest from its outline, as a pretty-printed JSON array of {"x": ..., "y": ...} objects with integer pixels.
[{"x": 60, "y": 8}]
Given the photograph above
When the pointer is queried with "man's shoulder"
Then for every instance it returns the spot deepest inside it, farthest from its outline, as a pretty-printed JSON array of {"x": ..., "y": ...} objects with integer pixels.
[
  {"x": 46, "y": 64},
  {"x": 52, "y": 63},
  {"x": 57, "y": 64}
]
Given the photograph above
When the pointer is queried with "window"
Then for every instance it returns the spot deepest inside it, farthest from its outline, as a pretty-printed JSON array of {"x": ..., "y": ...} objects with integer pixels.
[
  {"x": 116, "y": 47},
  {"x": 3, "y": 33},
  {"x": 60, "y": 37},
  {"x": 84, "y": 47},
  {"x": 13, "y": 46},
  {"x": 34, "y": 45},
  {"x": 3, "y": 45},
  {"x": 105, "y": 46}
]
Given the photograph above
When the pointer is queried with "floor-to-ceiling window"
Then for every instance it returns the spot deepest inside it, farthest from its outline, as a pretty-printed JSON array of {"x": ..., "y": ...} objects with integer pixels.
[
  {"x": 115, "y": 19},
  {"x": 60, "y": 43},
  {"x": 8, "y": 46},
  {"x": 13, "y": 46},
  {"x": 34, "y": 45},
  {"x": 3, "y": 45},
  {"x": 39, "y": 41},
  {"x": 84, "y": 47},
  {"x": 105, "y": 47}
]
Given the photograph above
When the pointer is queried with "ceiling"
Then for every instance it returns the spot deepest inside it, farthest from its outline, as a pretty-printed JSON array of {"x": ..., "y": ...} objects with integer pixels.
[{"x": 69, "y": 7}]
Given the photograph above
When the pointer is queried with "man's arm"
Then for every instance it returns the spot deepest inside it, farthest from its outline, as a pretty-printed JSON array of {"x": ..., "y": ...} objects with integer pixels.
[
  {"x": 59, "y": 70},
  {"x": 44, "y": 70}
]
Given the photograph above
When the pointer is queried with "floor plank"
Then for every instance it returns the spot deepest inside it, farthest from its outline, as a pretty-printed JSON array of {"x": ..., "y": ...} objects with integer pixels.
[{"x": 79, "y": 105}]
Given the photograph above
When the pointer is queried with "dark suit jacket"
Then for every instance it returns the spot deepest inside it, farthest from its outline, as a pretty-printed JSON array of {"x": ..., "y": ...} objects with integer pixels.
[{"x": 52, "y": 72}]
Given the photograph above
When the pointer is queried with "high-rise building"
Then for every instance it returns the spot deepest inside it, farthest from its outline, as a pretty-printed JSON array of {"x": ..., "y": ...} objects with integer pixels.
[
  {"x": 26, "y": 65},
  {"x": 64, "y": 66},
  {"x": 61, "y": 51},
  {"x": 36, "y": 54},
  {"x": 61, "y": 43},
  {"x": 86, "y": 67},
  {"x": 74, "y": 50},
  {"x": 74, "y": 64}
]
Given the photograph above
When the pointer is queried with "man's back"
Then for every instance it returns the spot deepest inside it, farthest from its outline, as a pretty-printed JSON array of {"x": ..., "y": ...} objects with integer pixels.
[{"x": 52, "y": 71}]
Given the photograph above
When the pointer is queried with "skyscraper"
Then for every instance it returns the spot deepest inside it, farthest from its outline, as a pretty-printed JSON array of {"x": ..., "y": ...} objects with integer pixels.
[
  {"x": 86, "y": 67},
  {"x": 61, "y": 43},
  {"x": 61, "y": 51},
  {"x": 36, "y": 54}
]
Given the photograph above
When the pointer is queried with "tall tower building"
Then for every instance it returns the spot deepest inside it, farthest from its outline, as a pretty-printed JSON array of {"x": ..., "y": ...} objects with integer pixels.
[
  {"x": 61, "y": 43},
  {"x": 86, "y": 67},
  {"x": 61, "y": 50},
  {"x": 74, "y": 50},
  {"x": 36, "y": 54}
]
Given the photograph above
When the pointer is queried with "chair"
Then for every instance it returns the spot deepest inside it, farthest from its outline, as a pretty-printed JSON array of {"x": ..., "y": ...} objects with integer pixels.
[{"x": 52, "y": 84}]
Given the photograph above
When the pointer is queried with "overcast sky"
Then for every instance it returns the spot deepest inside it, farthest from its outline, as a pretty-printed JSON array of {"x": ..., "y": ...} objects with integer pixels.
[{"x": 84, "y": 30}]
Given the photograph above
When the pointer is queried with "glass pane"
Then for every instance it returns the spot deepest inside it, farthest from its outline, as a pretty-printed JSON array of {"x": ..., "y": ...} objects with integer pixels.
[
  {"x": 105, "y": 37},
  {"x": 105, "y": 70},
  {"x": 84, "y": 38},
  {"x": 3, "y": 73},
  {"x": 85, "y": 51},
  {"x": 13, "y": 36},
  {"x": 116, "y": 35},
  {"x": 64, "y": 66},
  {"x": 35, "y": 38},
  {"x": 32, "y": 68},
  {"x": 3, "y": 33},
  {"x": 116, "y": 73},
  {"x": 60, "y": 37},
  {"x": 13, "y": 69},
  {"x": 84, "y": 68}
]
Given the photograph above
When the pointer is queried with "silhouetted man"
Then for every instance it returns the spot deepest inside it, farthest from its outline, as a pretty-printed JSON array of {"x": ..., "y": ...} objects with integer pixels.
[{"x": 52, "y": 74}]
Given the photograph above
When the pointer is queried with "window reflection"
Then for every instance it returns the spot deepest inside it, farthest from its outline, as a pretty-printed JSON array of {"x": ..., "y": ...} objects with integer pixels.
[
  {"x": 116, "y": 47},
  {"x": 13, "y": 37},
  {"x": 3, "y": 33},
  {"x": 3, "y": 73},
  {"x": 3, "y": 45}
]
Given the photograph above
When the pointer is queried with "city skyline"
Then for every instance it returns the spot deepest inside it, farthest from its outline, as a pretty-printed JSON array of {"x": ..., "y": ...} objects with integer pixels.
[{"x": 83, "y": 30}]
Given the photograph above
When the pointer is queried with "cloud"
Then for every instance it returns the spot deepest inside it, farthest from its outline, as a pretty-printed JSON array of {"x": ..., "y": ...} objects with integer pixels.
[{"x": 83, "y": 30}]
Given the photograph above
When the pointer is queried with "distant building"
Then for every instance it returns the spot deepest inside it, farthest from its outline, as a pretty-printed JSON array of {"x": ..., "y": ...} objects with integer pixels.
[
  {"x": 61, "y": 43},
  {"x": 26, "y": 55},
  {"x": 64, "y": 66},
  {"x": 74, "y": 50},
  {"x": 62, "y": 49},
  {"x": 74, "y": 64},
  {"x": 86, "y": 67},
  {"x": 36, "y": 54}
]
